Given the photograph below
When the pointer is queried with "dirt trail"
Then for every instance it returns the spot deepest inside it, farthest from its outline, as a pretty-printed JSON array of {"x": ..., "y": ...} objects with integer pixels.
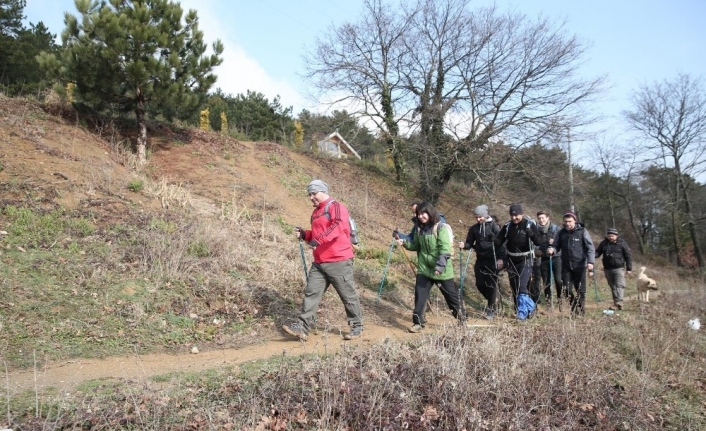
[{"x": 65, "y": 376}]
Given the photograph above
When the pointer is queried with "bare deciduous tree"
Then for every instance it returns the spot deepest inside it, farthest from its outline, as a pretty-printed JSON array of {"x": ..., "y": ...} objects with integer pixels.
[
  {"x": 359, "y": 65},
  {"x": 671, "y": 116},
  {"x": 456, "y": 78}
]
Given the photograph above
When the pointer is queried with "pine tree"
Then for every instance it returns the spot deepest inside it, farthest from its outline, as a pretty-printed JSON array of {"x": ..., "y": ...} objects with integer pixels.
[{"x": 133, "y": 53}]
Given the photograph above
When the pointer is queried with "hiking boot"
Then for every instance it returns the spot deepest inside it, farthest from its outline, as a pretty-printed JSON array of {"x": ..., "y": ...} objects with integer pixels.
[
  {"x": 296, "y": 330},
  {"x": 489, "y": 314},
  {"x": 356, "y": 332},
  {"x": 619, "y": 305},
  {"x": 416, "y": 328}
]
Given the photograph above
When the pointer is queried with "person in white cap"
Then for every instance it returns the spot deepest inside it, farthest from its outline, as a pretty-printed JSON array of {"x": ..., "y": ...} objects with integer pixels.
[
  {"x": 617, "y": 261},
  {"x": 333, "y": 262}
]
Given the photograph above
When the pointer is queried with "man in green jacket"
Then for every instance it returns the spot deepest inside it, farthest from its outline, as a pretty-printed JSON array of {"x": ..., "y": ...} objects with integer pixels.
[{"x": 432, "y": 241}]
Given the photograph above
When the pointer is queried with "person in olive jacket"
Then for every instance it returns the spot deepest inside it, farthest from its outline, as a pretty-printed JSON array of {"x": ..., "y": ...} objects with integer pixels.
[
  {"x": 480, "y": 238},
  {"x": 617, "y": 260},
  {"x": 432, "y": 242}
]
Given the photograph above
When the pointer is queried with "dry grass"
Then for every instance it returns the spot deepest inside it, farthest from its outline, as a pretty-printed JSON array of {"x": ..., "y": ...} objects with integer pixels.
[{"x": 604, "y": 374}]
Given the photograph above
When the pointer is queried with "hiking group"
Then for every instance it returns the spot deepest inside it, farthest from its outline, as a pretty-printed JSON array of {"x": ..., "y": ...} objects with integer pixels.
[{"x": 536, "y": 255}]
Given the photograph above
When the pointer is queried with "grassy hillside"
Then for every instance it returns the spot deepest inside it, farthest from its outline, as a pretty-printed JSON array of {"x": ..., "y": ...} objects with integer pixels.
[{"x": 98, "y": 259}]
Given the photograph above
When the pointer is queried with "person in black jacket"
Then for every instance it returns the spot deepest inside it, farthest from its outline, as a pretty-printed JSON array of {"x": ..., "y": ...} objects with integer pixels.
[
  {"x": 546, "y": 268},
  {"x": 480, "y": 238},
  {"x": 617, "y": 260},
  {"x": 518, "y": 235},
  {"x": 577, "y": 254}
]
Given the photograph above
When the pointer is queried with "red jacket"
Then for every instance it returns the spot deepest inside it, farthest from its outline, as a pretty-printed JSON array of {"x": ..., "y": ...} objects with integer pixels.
[{"x": 330, "y": 238}]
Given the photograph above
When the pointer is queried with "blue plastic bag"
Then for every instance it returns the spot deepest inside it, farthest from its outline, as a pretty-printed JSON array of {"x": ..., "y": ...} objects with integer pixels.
[{"x": 525, "y": 306}]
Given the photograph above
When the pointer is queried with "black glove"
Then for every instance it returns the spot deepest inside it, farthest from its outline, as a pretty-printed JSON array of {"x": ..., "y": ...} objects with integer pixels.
[
  {"x": 314, "y": 243},
  {"x": 396, "y": 234},
  {"x": 302, "y": 234},
  {"x": 491, "y": 236}
]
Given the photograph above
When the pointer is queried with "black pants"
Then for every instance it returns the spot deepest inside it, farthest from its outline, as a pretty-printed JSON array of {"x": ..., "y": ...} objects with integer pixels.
[
  {"x": 541, "y": 277},
  {"x": 519, "y": 273},
  {"x": 422, "y": 288},
  {"x": 487, "y": 280},
  {"x": 575, "y": 281}
]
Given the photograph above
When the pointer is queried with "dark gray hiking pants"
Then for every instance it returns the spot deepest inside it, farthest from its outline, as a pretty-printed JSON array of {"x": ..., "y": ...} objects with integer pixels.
[{"x": 616, "y": 281}]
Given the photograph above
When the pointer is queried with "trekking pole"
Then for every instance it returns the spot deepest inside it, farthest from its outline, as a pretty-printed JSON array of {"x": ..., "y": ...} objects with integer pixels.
[
  {"x": 384, "y": 273},
  {"x": 551, "y": 283},
  {"x": 595, "y": 286},
  {"x": 306, "y": 274},
  {"x": 463, "y": 269},
  {"x": 301, "y": 249},
  {"x": 409, "y": 261},
  {"x": 497, "y": 281}
]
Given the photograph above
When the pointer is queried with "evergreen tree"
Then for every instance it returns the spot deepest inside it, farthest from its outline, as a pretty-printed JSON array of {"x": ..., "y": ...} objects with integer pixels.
[
  {"x": 253, "y": 116},
  {"x": 11, "y": 16},
  {"x": 18, "y": 48},
  {"x": 134, "y": 55}
]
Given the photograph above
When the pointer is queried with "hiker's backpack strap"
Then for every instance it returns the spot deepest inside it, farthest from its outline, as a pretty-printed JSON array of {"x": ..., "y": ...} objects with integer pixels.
[{"x": 328, "y": 204}]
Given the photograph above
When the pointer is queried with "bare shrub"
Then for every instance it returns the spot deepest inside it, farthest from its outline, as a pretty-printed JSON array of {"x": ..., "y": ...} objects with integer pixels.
[{"x": 168, "y": 194}]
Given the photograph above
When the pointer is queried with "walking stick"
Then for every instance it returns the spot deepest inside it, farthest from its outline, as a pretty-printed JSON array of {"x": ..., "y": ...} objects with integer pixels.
[
  {"x": 414, "y": 275},
  {"x": 499, "y": 296},
  {"x": 301, "y": 249},
  {"x": 463, "y": 269},
  {"x": 306, "y": 274},
  {"x": 551, "y": 283},
  {"x": 595, "y": 286},
  {"x": 384, "y": 273}
]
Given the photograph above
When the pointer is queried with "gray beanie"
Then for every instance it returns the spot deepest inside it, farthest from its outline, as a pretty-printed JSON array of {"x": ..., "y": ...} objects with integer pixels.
[
  {"x": 317, "y": 186},
  {"x": 613, "y": 231},
  {"x": 481, "y": 210}
]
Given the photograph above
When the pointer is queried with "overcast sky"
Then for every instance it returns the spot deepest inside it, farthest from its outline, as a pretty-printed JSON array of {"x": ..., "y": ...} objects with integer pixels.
[{"x": 632, "y": 41}]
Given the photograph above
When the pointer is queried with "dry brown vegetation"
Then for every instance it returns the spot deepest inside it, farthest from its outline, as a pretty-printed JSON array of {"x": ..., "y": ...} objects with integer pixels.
[{"x": 101, "y": 260}]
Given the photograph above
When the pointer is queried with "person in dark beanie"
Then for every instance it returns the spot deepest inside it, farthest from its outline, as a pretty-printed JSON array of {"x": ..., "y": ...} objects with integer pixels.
[
  {"x": 577, "y": 254},
  {"x": 517, "y": 237},
  {"x": 480, "y": 238},
  {"x": 547, "y": 267},
  {"x": 333, "y": 262},
  {"x": 617, "y": 261},
  {"x": 432, "y": 242}
]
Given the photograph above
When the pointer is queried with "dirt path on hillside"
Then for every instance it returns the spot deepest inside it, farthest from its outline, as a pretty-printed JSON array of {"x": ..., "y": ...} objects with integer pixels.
[{"x": 66, "y": 375}]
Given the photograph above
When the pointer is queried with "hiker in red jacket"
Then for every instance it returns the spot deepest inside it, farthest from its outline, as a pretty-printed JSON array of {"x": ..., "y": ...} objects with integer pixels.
[{"x": 333, "y": 262}]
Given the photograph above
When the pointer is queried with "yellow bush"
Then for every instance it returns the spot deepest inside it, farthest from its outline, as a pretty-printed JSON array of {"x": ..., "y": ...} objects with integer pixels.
[
  {"x": 205, "y": 124},
  {"x": 224, "y": 123},
  {"x": 298, "y": 134}
]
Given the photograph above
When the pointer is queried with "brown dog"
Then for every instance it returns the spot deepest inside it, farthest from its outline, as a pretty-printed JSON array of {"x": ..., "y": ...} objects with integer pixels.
[{"x": 644, "y": 285}]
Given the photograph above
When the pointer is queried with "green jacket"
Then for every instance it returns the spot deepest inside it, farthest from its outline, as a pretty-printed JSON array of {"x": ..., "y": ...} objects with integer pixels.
[{"x": 433, "y": 253}]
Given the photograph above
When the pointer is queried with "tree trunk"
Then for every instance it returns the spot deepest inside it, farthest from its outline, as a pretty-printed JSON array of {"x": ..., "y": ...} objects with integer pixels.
[
  {"x": 638, "y": 232},
  {"x": 141, "y": 148},
  {"x": 392, "y": 141},
  {"x": 675, "y": 237},
  {"x": 691, "y": 222}
]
